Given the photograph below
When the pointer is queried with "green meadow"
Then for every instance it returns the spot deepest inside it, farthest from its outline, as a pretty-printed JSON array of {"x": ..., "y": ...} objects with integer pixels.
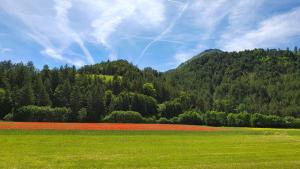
[{"x": 239, "y": 148}]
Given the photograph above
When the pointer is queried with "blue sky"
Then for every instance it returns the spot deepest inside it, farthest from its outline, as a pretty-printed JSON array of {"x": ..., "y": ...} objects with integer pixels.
[{"x": 157, "y": 33}]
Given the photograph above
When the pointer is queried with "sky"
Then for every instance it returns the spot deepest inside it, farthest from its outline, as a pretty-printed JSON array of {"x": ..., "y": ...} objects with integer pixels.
[{"x": 148, "y": 33}]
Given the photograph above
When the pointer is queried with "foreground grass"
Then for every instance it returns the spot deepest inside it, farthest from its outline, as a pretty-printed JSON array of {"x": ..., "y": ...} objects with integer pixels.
[{"x": 233, "y": 148}]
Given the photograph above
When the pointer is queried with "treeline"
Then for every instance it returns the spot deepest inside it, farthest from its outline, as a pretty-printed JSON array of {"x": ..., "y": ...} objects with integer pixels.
[
  {"x": 262, "y": 83},
  {"x": 121, "y": 86}
]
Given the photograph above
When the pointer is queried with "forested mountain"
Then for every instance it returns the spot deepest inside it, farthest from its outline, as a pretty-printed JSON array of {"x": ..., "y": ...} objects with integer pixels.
[
  {"x": 254, "y": 87},
  {"x": 256, "y": 81}
]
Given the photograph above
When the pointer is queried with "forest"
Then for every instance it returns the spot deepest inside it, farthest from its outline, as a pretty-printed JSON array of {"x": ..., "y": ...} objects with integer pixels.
[{"x": 258, "y": 88}]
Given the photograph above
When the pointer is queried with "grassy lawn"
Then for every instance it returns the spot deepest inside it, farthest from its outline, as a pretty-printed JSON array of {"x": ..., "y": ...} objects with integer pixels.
[{"x": 233, "y": 148}]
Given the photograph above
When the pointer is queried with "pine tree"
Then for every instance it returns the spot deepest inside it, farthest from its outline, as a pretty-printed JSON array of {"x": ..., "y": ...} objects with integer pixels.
[
  {"x": 108, "y": 99},
  {"x": 295, "y": 49},
  {"x": 26, "y": 95},
  {"x": 42, "y": 97},
  {"x": 62, "y": 94},
  {"x": 47, "y": 86},
  {"x": 75, "y": 102},
  {"x": 95, "y": 103},
  {"x": 116, "y": 85},
  {"x": 46, "y": 73}
]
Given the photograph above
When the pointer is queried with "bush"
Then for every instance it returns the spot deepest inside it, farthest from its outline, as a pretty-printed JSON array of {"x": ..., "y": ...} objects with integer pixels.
[
  {"x": 149, "y": 120},
  {"x": 296, "y": 123},
  {"x": 174, "y": 120},
  {"x": 291, "y": 122},
  {"x": 124, "y": 117},
  {"x": 128, "y": 101},
  {"x": 8, "y": 117},
  {"x": 172, "y": 109},
  {"x": 274, "y": 121},
  {"x": 41, "y": 114},
  {"x": 82, "y": 115},
  {"x": 259, "y": 120},
  {"x": 163, "y": 120},
  {"x": 213, "y": 118},
  {"x": 238, "y": 120},
  {"x": 190, "y": 118}
]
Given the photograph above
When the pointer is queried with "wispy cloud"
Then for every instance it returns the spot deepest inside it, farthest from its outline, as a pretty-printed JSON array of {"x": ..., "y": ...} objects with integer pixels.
[
  {"x": 270, "y": 32},
  {"x": 5, "y": 50},
  {"x": 56, "y": 55},
  {"x": 48, "y": 27},
  {"x": 207, "y": 16},
  {"x": 62, "y": 7},
  {"x": 86, "y": 31},
  {"x": 112, "y": 15},
  {"x": 164, "y": 32},
  {"x": 152, "y": 38},
  {"x": 51, "y": 23},
  {"x": 176, "y": 2}
]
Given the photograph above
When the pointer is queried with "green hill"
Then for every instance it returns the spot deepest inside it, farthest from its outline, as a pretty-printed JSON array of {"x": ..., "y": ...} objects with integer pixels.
[{"x": 264, "y": 81}]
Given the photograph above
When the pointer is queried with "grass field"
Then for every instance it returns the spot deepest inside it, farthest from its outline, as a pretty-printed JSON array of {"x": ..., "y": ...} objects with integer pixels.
[{"x": 231, "y": 148}]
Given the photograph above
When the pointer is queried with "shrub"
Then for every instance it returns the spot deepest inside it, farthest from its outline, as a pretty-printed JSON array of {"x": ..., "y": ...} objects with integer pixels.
[
  {"x": 163, "y": 120},
  {"x": 82, "y": 115},
  {"x": 128, "y": 101},
  {"x": 291, "y": 122},
  {"x": 174, "y": 120},
  {"x": 296, "y": 123},
  {"x": 190, "y": 118},
  {"x": 274, "y": 121},
  {"x": 8, "y": 117},
  {"x": 172, "y": 109},
  {"x": 45, "y": 113},
  {"x": 149, "y": 120},
  {"x": 239, "y": 120},
  {"x": 124, "y": 117},
  {"x": 214, "y": 118},
  {"x": 259, "y": 120}
]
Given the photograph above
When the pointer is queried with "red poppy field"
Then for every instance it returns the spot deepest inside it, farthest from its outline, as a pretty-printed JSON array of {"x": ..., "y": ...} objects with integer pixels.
[{"x": 101, "y": 126}]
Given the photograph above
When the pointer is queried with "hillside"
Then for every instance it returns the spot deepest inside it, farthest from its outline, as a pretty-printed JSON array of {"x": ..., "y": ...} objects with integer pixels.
[
  {"x": 255, "y": 87},
  {"x": 264, "y": 81}
]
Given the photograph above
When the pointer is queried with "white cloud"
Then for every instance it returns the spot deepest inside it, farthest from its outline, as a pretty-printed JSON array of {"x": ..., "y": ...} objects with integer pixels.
[
  {"x": 123, "y": 16},
  {"x": 54, "y": 54},
  {"x": 5, "y": 50},
  {"x": 66, "y": 29},
  {"x": 207, "y": 14},
  {"x": 47, "y": 24},
  {"x": 273, "y": 31},
  {"x": 61, "y": 24}
]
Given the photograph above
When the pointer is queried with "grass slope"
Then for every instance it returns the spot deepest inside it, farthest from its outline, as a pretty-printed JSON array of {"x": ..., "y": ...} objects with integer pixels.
[
  {"x": 238, "y": 148},
  {"x": 105, "y": 78}
]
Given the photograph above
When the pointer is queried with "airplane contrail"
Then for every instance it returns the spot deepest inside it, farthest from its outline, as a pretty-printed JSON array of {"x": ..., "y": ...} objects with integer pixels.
[
  {"x": 177, "y": 2},
  {"x": 171, "y": 25}
]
